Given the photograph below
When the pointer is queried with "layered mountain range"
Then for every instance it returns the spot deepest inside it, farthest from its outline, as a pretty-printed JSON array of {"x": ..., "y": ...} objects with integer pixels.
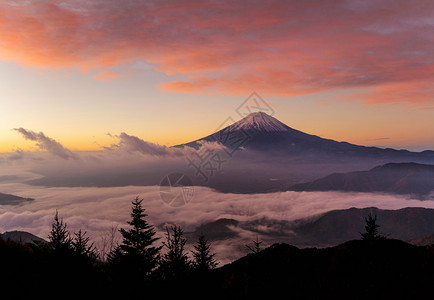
[
  {"x": 260, "y": 154},
  {"x": 267, "y": 156}
]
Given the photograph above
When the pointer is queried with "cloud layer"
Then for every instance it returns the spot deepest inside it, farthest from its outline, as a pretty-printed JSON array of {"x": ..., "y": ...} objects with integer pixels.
[
  {"x": 381, "y": 50},
  {"x": 97, "y": 210}
]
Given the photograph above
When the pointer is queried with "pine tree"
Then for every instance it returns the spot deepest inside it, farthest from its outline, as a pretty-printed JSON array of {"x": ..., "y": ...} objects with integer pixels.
[
  {"x": 136, "y": 253},
  {"x": 203, "y": 259},
  {"x": 81, "y": 247},
  {"x": 59, "y": 239},
  {"x": 175, "y": 262},
  {"x": 371, "y": 228}
]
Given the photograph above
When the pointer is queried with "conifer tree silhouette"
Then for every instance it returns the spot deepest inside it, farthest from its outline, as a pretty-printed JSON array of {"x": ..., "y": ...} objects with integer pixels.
[
  {"x": 80, "y": 246},
  {"x": 175, "y": 261},
  {"x": 59, "y": 238},
  {"x": 136, "y": 254},
  {"x": 203, "y": 258},
  {"x": 371, "y": 228}
]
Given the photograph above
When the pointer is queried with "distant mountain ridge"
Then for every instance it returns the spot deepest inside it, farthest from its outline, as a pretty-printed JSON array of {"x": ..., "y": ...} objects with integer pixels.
[
  {"x": 8, "y": 199},
  {"x": 396, "y": 178},
  {"x": 330, "y": 228}
]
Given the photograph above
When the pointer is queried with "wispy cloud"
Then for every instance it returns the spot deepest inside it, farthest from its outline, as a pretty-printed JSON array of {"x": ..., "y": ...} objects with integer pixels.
[
  {"x": 132, "y": 143},
  {"x": 44, "y": 142}
]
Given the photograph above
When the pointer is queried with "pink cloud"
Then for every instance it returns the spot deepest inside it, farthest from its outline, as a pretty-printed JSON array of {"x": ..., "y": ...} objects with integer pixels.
[
  {"x": 277, "y": 47},
  {"x": 411, "y": 93}
]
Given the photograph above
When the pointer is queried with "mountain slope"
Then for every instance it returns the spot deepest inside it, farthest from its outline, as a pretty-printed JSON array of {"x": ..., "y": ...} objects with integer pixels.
[{"x": 397, "y": 178}]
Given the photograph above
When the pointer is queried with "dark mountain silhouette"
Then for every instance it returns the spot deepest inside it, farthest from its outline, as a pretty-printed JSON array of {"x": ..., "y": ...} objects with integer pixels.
[
  {"x": 8, "y": 199},
  {"x": 396, "y": 178},
  {"x": 20, "y": 237},
  {"x": 384, "y": 269}
]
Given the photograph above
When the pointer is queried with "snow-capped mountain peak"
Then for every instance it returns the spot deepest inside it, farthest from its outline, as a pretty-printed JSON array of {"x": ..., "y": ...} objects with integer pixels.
[{"x": 259, "y": 121}]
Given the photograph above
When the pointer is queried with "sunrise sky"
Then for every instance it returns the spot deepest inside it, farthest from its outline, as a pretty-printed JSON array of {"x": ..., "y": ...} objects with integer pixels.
[{"x": 172, "y": 71}]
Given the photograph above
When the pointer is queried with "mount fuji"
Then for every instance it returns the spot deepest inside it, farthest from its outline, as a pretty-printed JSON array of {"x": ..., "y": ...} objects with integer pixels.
[
  {"x": 259, "y": 122},
  {"x": 262, "y": 132},
  {"x": 260, "y": 154},
  {"x": 270, "y": 156}
]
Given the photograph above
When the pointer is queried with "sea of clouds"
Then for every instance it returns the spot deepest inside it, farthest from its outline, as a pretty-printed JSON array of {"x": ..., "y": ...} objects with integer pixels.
[
  {"x": 101, "y": 210},
  {"x": 97, "y": 210}
]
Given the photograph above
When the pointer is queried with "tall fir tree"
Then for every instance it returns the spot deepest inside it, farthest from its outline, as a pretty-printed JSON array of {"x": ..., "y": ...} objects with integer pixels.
[
  {"x": 175, "y": 261},
  {"x": 80, "y": 246},
  {"x": 59, "y": 239},
  {"x": 136, "y": 254},
  {"x": 203, "y": 258}
]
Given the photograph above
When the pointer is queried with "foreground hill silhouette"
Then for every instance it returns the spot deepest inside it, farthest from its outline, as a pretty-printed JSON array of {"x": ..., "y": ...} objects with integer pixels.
[
  {"x": 353, "y": 270},
  {"x": 388, "y": 269},
  {"x": 374, "y": 267}
]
